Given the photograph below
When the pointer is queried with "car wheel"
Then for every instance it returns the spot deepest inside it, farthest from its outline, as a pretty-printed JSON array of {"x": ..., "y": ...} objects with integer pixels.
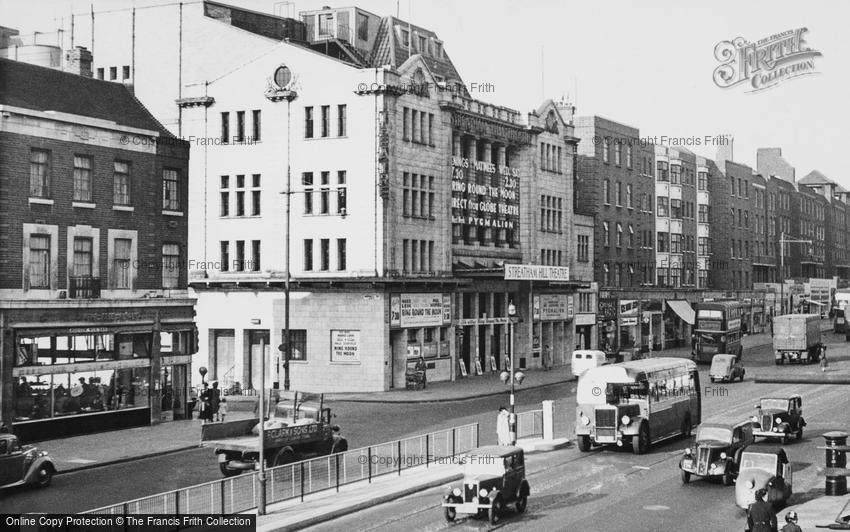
[
  {"x": 686, "y": 477},
  {"x": 799, "y": 433},
  {"x": 640, "y": 442},
  {"x": 495, "y": 512},
  {"x": 226, "y": 471},
  {"x": 450, "y": 514},
  {"x": 521, "y": 504},
  {"x": 44, "y": 476},
  {"x": 728, "y": 478},
  {"x": 584, "y": 443}
]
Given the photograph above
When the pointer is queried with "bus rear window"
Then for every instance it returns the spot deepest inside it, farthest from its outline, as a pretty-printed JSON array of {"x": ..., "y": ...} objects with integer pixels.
[{"x": 710, "y": 314}]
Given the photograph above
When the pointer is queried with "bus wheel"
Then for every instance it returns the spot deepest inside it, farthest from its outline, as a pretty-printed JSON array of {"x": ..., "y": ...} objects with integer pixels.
[
  {"x": 584, "y": 443},
  {"x": 640, "y": 442}
]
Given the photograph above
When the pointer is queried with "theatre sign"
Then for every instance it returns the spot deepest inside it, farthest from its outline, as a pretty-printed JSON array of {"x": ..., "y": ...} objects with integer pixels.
[
  {"x": 536, "y": 272},
  {"x": 484, "y": 194}
]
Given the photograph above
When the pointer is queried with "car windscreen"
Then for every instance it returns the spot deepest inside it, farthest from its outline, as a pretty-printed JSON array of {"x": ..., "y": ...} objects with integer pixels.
[
  {"x": 483, "y": 465},
  {"x": 765, "y": 462},
  {"x": 774, "y": 404},
  {"x": 714, "y": 433},
  {"x": 720, "y": 364}
]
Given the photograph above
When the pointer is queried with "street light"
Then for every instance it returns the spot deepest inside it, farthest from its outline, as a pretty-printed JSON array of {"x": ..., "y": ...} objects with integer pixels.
[{"x": 515, "y": 377}]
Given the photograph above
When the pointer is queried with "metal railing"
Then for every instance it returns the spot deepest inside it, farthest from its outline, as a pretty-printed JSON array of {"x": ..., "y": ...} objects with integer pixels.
[
  {"x": 529, "y": 424},
  {"x": 296, "y": 480},
  {"x": 84, "y": 288}
]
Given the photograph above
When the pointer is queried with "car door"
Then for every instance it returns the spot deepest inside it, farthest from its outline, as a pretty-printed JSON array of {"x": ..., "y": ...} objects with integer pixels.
[
  {"x": 11, "y": 463},
  {"x": 513, "y": 472}
]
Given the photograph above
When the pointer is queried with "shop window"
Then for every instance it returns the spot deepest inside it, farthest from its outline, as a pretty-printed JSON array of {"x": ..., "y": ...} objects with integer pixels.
[
  {"x": 412, "y": 336},
  {"x": 429, "y": 335},
  {"x": 298, "y": 344}
]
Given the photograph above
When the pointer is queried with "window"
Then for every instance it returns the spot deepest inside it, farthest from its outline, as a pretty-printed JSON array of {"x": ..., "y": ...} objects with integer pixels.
[
  {"x": 675, "y": 208},
  {"x": 629, "y": 196},
  {"x": 340, "y": 254},
  {"x": 297, "y": 344},
  {"x": 257, "y": 131},
  {"x": 113, "y": 73},
  {"x": 121, "y": 183},
  {"x": 631, "y": 236},
  {"x": 606, "y": 192},
  {"x": 414, "y": 125},
  {"x": 619, "y": 234},
  {"x": 39, "y": 173},
  {"x": 170, "y": 265},
  {"x": 239, "y": 263},
  {"x": 619, "y": 190},
  {"x": 704, "y": 248},
  {"x": 405, "y": 124},
  {"x": 325, "y": 244},
  {"x": 628, "y": 155},
  {"x": 617, "y": 154},
  {"x": 325, "y": 194},
  {"x": 170, "y": 191},
  {"x": 121, "y": 262},
  {"x": 662, "y": 171},
  {"x": 255, "y": 195},
  {"x": 255, "y": 256},
  {"x": 82, "y": 178},
  {"x": 341, "y": 120},
  {"x": 606, "y": 235},
  {"x": 703, "y": 213},
  {"x": 325, "y": 21},
  {"x": 702, "y": 181},
  {"x": 82, "y": 265},
  {"x": 240, "y": 126},
  {"x": 100, "y": 73},
  {"x": 240, "y": 195},
  {"x": 675, "y": 174},
  {"x": 307, "y": 181},
  {"x": 39, "y": 267},
  {"x": 405, "y": 38},
  {"x": 663, "y": 242},
  {"x": 606, "y": 147},
  {"x": 326, "y": 120},
  {"x": 225, "y": 128},
  {"x": 362, "y": 27},
  {"x": 663, "y": 203},
  {"x": 341, "y": 199},
  {"x": 308, "y": 254},
  {"x": 423, "y": 44},
  {"x": 224, "y": 206},
  {"x": 675, "y": 243},
  {"x": 308, "y": 122},
  {"x": 225, "y": 256}
]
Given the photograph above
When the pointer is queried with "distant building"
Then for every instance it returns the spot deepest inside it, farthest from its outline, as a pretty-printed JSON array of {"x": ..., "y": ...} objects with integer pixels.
[{"x": 97, "y": 324}]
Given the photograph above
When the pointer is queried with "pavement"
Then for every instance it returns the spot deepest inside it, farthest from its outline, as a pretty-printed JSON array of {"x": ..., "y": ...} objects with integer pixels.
[{"x": 820, "y": 512}]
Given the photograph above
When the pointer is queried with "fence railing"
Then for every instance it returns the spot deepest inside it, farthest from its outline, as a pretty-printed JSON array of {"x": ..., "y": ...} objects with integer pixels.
[
  {"x": 296, "y": 480},
  {"x": 529, "y": 424}
]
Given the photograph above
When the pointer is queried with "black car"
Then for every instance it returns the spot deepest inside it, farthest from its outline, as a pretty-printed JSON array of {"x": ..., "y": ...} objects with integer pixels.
[
  {"x": 716, "y": 451},
  {"x": 779, "y": 417}
]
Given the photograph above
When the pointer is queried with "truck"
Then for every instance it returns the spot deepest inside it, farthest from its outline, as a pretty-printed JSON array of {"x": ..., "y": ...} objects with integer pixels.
[
  {"x": 797, "y": 338},
  {"x": 300, "y": 428}
]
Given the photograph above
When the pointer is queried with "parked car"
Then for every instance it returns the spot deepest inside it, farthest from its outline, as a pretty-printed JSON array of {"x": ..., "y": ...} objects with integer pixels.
[
  {"x": 726, "y": 368},
  {"x": 716, "y": 451},
  {"x": 766, "y": 468},
  {"x": 779, "y": 418},
  {"x": 584, "y": 359},
  {"x": 23, "y": 464},
  {"x": 493, "y": 477}
]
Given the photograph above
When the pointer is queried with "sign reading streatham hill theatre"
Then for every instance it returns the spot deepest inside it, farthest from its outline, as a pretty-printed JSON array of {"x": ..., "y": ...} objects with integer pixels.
[
  {"x": 535, "y": 272},
  {"x": 484, "y": 194}
]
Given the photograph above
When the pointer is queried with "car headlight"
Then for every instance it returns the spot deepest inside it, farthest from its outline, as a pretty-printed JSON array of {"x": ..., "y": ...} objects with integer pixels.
[
  {"x": 585, "y": 420},
  {"x": 456, "y": 492},
  {"x": 751, "y": 484},
  {"x": 778, "y": 420},
  {"x": 626, "y": 420},
  {"x": 482, "y": 492},
  {"x": 754, "y": 419},
  {"x": 713, "y": 467},
  {"x": 723, "y": 456}
]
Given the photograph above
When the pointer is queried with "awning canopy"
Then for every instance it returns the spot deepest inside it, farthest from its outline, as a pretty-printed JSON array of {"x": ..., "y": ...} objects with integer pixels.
[{"x": 683, "y": 309}]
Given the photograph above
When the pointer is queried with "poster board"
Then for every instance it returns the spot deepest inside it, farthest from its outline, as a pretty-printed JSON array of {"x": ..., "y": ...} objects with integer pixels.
[
  {"x": 462, "y": 367},
  {"x": 478, "y": 370},
  {"x": 492, "y": 364}
]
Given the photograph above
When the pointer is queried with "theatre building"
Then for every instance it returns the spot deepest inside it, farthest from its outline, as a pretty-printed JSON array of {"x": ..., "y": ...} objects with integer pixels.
[{"x": 96, "y": 326}]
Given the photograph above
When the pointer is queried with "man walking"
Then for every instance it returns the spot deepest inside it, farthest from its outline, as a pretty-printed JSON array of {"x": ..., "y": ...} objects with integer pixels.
[
  {"x": 502, "y": 427},
  {"x": 547, "y": 357},
  {"x": 791, "y": 520},
  {"x": 760, "y": 515}
]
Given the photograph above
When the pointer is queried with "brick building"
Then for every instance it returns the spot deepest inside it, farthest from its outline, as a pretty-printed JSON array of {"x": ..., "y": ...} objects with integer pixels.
[
  {"x": 837, "y": 260},
  {"x": 97, "y": 324}
]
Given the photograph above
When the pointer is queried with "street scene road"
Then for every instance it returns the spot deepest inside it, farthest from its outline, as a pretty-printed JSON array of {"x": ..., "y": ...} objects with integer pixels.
[{"x": 583, "y": 485}]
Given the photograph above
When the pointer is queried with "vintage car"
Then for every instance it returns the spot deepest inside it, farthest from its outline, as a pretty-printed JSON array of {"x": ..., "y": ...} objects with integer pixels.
[
  {"x": 23, "y": 464},
  {"x": 726, "y": 368},
  {"x": 493, "y": 477},
  {"x": 779, "y": 418},
  {"x": 763, "y": 467},
  {"x": 716, "y": 451}
]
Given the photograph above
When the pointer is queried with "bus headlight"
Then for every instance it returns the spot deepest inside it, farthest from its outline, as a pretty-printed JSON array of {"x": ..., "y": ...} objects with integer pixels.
[
  {"x": 626, "y": 420},
  {"x": 482, "y": 492},
  {"x": 723, "y": 456},
  {"x": 456, "y": 492},
  {"x": 585, "y": 420}
]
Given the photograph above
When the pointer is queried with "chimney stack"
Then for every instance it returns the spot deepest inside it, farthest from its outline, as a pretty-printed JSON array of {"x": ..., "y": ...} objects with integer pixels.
[
  {"x": 78, "y": 61},
  {"x": 724, "y": 148}
]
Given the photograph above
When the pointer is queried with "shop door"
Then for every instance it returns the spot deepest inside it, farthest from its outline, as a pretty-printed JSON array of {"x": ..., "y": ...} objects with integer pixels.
[
  {"x": 466, "y": 346},
  {"x": 482, "y": 347},
  {"x": 496, "y": 351},
  {"x": 224, "y": 363},
  {"x": 258, "y": 343}
]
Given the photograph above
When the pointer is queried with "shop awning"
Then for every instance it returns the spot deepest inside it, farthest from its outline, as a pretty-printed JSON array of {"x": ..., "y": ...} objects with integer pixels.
[{"x": 683, "y": 309}]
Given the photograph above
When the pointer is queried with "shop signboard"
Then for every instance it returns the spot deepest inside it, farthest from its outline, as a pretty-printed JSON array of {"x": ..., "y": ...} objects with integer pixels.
[
  {"x": 536, "y": 272},
  {"x": 585, "y": 319},
  {"x": 420, "y": 310},
  {"x": 345, "y": 346},
  {"x": 627, "y": 322},
  {"x": 628, "y": 307},
  {"x": 607, "y": 309},
  {"x": 553, "y": 307}
]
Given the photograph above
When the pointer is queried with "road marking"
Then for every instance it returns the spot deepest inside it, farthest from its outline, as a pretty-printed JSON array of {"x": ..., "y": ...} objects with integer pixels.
[
  {"x": 641, "y": 467},
  {"x": 79, "y": 461},
  {"x": 656, "y": 508}
]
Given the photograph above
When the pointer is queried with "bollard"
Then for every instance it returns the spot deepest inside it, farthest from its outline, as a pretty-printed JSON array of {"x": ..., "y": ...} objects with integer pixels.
[
  {"x": 836, "y": 448},
  {"x": 548, "y": 420}
]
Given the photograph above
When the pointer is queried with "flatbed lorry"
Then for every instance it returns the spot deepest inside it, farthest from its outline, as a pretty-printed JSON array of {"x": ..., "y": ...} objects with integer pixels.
[
  {"x": 797, "y": 338},
  {"x": 299, "y": 429}
]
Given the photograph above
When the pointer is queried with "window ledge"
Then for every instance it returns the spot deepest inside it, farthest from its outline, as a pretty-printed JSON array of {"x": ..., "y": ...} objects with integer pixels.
[
  {"x": 40, "y": 201},
  {"x": 83, "y": 205},
  {"x": 172, "y": 213},
  {"x": 125, "y": 208}
]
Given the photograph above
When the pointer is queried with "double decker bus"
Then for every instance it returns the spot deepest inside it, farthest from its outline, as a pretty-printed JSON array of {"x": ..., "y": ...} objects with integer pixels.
[
  {"x": 639, "y": 402},
  {"x": 717, "y": 329}
]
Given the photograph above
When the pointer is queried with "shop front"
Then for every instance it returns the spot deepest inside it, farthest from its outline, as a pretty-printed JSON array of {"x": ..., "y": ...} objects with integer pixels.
[
  {"x": 585, "y": 334},
  {"x": 679, "y": 318},
  {"x": 420, "y": 334},
  {"x": 69, "y": 370},
  {"x": 553, "y": 327},
  {"x": 607, "y": 325}
]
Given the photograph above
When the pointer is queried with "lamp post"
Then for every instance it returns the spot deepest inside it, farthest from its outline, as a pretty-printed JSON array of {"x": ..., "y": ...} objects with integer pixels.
[
  {"x": 515, "y": 377},
  {"x": 782, "y": 242}
]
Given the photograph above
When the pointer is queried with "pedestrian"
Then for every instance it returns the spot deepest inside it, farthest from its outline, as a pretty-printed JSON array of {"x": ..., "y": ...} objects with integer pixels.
[
  {"x": 547, "y": 357},
  {"x": 823, "y": 362},
  {"x": 502, "y": 427},
  {"x": 422, "y": 371},
  {"x": 791, "y": 523},
  {"x": 215, "y": 400},
  {"x": 760, "y": 515},
  {"x": 222, "y": 408},
  {"x": 204, "y": 410}
]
